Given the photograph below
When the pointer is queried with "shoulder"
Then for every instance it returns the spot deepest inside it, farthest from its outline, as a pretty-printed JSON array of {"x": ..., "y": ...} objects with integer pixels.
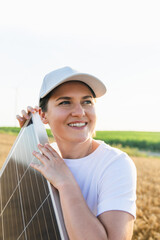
[
  {"x": 117, "y": 182},
  {"x": 111, "y": 158}
]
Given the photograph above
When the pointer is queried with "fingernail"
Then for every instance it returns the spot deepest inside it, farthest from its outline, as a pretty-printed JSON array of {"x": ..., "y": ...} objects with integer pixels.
[{"x": 31, "y": 165}]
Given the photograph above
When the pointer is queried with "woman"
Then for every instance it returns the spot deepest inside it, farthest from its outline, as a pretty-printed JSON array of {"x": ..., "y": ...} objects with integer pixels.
[{"x": 96, "y": 183}]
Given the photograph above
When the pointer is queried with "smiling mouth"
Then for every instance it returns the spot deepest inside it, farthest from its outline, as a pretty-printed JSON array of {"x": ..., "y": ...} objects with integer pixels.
[{"x": 77, "y": 124}]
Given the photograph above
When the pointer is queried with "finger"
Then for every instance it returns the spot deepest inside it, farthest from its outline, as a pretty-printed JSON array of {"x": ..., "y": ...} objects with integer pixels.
[
  {"x": 37, "y": 167},
  {"x": 40, "y": 157},
  {"x": 30, "y": 109},
  {"x": 54, "y": 153},
  {"x": 45, "y": 151},
  {"x": 37, "y": 108},
  {"x": 24, "y": 114},
  {"x": 21, "y": 120}
]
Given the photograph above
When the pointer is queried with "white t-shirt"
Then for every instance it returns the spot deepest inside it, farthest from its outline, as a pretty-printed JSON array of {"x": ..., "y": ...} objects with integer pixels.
[{"x": 107, "y": 179}]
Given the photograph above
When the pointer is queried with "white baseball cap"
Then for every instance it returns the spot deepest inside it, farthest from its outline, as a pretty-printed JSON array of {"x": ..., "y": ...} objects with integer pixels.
[{"x": 65, "y": 74}]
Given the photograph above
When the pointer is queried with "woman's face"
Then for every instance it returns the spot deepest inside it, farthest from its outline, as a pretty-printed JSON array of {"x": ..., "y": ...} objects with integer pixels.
[{"x": 71, "y": 113}]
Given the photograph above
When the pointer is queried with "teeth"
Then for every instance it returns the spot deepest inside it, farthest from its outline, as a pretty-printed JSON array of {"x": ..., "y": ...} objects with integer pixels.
[{"x": 77, "y": 124}]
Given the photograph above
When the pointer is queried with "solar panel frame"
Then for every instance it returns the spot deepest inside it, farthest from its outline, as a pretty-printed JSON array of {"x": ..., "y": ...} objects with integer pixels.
[{"x": 22, "y": 192}]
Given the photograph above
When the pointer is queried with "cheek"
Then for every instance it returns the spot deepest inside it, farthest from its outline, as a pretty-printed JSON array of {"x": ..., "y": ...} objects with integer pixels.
[
  {"x": 93, "y": 116},
  {"x": 55, "y": 125},
  {"x": 57, "y": 118}
]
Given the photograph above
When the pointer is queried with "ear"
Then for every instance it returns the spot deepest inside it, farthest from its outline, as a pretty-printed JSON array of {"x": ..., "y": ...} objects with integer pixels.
[{"x": 43, "y": 116}]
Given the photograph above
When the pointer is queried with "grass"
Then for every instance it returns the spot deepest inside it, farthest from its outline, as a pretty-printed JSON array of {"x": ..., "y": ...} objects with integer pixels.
[
  {"x": 140, "y": 140},
  {"x": 10, "y": 130}
]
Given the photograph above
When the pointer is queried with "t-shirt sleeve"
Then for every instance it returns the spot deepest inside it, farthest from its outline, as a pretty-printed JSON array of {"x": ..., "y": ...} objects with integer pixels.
[{"x": 117, "y": 186}]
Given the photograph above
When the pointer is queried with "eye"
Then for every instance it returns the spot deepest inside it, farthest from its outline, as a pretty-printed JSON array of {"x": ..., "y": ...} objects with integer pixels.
[
  {"x": 87, "y": 102},
  {"x": 64, "y": 103}
]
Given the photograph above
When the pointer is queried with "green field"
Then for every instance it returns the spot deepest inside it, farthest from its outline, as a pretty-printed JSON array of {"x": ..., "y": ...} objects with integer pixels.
[
  {"x": 147, "y": 141},
  {"x": 10, "y": 130},
  {"x": 141, "y": 140}
]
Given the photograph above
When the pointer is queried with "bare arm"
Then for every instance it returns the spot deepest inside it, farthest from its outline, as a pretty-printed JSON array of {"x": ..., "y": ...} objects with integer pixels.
[
  {"x": 118, "y": 224},
  {"x": 79, "y": 220},
  {"x": 82, "y": 224}
]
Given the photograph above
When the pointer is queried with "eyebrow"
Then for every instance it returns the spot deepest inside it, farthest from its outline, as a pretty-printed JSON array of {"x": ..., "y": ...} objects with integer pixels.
[{"x": 69, "y": 98}]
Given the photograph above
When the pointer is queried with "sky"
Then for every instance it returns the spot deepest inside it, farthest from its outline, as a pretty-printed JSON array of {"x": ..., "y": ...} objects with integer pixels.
[{"x": 117, "y": 41}]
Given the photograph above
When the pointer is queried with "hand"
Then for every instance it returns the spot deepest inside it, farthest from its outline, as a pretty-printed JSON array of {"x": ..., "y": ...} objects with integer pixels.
[
  {"x": 53, "y": 167},
  {"x": 25, "y": 115}
]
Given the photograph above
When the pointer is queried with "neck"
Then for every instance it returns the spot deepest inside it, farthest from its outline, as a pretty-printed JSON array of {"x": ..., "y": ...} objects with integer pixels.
[{"x": 75, "y": 151}]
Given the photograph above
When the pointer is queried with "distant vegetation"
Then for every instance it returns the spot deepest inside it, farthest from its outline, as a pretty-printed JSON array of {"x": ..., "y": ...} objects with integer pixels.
[
  {"x": 141, "y": 140},
  {"x": 10, "y": 130},
  {"x": 148, "y": 141}
]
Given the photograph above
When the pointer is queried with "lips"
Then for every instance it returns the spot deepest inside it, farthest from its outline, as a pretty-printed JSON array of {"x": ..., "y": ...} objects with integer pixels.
[{"x": 77, "y": 124}]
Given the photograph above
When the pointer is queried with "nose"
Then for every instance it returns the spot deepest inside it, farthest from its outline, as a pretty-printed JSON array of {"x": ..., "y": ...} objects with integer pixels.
[{"x": 78, "y": 111}]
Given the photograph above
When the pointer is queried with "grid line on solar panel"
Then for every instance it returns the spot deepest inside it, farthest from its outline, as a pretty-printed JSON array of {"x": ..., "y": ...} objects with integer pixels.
[
  {"x": 9, "y": 178},
  {"x": 23, "y": 236},
  {"x": 40, "y": 176},
  {"x": 53, "y": 231},
  {"x": 1, "y": 221},
  {"x": 22, "y": 208},
  {"x": 51, "y": 214},
  {"x": 1, "y": 227},
  {"x": 41, "y": 214},
  {"x": 26, "y": 150},
  {"x": 20, "y": 200},
  {"x": 29, "y": 209},
  {"x": 3, "y": 208},
  {"x": 43, "y": 217},
  {"x": 0, "y": 198},
  {"x": 43, "y": 188},
  {"x": 12, "y": 217},
  {"x": 6, "y": 182},
  {"x": 12, "y": 230},
  {"x": 17, "y": 186}
]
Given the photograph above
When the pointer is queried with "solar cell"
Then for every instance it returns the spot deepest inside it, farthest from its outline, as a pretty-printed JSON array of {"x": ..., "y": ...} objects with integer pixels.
[{"x": 29, "y": 205}]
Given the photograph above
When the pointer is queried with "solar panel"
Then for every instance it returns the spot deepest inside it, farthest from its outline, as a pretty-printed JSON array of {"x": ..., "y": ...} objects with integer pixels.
[{"x": 29, "y": 205}]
